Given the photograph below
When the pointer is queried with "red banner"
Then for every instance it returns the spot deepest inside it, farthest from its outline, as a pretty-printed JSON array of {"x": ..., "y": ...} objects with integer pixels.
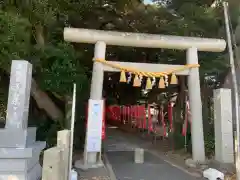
[{"x": 170, "y": 115}]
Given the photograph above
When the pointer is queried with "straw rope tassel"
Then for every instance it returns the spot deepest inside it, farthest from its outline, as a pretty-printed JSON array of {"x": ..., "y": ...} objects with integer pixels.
[
  {"x": 149, "y": 84},
  {"x": 161, "y": 84},
  {"x": 136, "y": 81},
  {"x": 174, "y": 79},
  {"x": 123, "y": 77}
]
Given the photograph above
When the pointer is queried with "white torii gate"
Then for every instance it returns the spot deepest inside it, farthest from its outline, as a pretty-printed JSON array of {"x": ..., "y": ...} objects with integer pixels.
[{"x": 191, "y": 44}]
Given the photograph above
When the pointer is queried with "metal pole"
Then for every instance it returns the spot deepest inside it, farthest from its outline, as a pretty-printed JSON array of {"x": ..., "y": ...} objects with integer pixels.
[
  {"x": 235, "y": 87},
  {"x": 72, "y": 128}
]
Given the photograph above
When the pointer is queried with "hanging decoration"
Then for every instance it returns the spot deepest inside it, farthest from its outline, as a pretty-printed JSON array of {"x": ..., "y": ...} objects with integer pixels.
[
  {"x": 163, "y": 76},
  {"x": 174, "y": 79},
  {"x": 136, "y": 81},
  {"x": 153, "y": 81},
  {"x": 148, "y": 84},
  {"x": 123, "y": 77},
  {"x": 140, "y": 78},
  {"x": 186, "y": 119},
  {"x": 162, "y": 118},
  {"x": 129, "y": 77},
  {"x": 170, "y": 115},
  {"x": 161, "y": 84},
  {"x": 166, "y": 80}
]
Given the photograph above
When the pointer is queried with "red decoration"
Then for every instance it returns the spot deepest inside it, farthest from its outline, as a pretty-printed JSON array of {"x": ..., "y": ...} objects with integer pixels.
[
  {"x": 128, "y": 114},
  {"x": 150, "y": 127},
  {"x": 104, "y": 121},
  {"x": 163, "y": 121},
  {"x": 170, "y": 115},
  {"x": 187, "y": 119}
]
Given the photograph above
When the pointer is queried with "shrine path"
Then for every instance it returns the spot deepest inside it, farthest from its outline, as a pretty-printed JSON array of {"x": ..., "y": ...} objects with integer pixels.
[{"x": 119, "y": 150}]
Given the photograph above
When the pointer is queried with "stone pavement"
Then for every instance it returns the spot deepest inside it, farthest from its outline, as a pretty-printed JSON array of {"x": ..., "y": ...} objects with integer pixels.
[
  {"x": 120, "y": 153},
  {"x": 94, "y": 174},
  {"x": 91, "y": 174}
]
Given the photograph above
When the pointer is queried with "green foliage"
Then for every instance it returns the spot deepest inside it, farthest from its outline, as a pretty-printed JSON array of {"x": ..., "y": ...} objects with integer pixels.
[
  {"x": 209, "y": 143},
  {"x": 61, "y": 68},
  {"x": 15, "y": 38},
  {"x": 47, "y": 131},
  {"x": 58, "y": 65}
]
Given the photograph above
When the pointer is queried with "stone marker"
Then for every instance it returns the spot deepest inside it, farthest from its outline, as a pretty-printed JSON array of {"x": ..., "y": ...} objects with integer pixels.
[
  {"x": 19, "y": 151},
  {"x": 139, "y": 155},
  {"x": 224, "y": 151},
  {"x": 19, "y": 95},
  {"x": 18, "y": 107}
]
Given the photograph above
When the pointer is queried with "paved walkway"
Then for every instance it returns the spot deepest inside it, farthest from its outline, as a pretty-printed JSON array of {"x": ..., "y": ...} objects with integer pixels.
[
  {"x": 120, "y": 153},
  {"x": 91, "y": 174},
  {"x": 94, "y": 174}
]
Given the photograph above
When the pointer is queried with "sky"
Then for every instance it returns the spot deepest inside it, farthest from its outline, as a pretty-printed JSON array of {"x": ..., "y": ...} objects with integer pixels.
[{"x": 147, "y": 1}]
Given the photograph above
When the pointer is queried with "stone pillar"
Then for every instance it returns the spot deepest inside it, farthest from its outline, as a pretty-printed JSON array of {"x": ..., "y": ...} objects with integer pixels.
[
  {"x": 198, "y": 149},
  {"x": 64, "y": 143},
  {"x": 52, "y": 165},
  {"x": 19, "y": 95},
  {"x": 223, "y": 126},
  {"x": 98, "y": 72},
  {"x": 17, "y": 141},
  {"x": 92, "y": 159}
]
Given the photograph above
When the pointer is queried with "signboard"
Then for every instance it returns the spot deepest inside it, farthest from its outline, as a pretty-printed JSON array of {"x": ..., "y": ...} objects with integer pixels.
[
  {"x": 94, "y": 125},
  {"x": 104, "y": 120}
]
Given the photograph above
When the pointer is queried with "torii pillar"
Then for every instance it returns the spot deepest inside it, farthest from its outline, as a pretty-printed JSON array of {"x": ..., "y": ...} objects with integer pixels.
[{"x": 190, "y": 44}]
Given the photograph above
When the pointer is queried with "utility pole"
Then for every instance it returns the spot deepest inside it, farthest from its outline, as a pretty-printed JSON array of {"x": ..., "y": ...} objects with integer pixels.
[{"x": 235, "y": 88}]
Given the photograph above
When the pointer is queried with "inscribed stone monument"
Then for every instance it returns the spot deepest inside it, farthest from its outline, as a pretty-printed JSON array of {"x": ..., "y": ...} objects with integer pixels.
[
  {"x": 19, "y": 151},
  {"x": 223, "y": 126},
  {"x": 19, "y": 95}
]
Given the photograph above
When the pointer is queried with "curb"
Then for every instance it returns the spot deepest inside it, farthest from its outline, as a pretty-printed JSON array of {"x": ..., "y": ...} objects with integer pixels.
[{"x": 109, "y": 167}]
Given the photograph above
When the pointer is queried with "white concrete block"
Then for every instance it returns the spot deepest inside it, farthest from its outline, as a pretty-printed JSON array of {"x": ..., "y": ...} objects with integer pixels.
[{"x": 139, "y": 156}]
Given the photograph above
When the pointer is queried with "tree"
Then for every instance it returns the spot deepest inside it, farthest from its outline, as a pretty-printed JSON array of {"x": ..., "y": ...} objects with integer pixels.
[{"x": 33, "y": 30}]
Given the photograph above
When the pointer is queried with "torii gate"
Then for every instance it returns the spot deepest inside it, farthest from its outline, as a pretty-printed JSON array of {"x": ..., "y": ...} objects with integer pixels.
[{"x": 191, "y": 44}]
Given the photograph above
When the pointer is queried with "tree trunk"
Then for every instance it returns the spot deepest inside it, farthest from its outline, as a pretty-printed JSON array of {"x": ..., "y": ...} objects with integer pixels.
[
  {"x": 68, "y": 111},
  {"x": 181, "y": 99},
  {"x": 42, "y": 99},
  {"x": 44, "y": 102},
  {"x": 39, "y": 35}
]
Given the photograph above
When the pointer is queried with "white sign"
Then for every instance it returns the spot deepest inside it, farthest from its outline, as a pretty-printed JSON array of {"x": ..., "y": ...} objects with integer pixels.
[{"x": 94, "y": 125}]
